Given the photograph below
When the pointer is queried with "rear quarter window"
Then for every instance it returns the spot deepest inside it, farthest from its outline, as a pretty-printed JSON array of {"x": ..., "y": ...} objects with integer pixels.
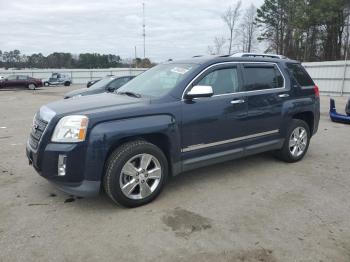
[{"x": 300, "y": 74}]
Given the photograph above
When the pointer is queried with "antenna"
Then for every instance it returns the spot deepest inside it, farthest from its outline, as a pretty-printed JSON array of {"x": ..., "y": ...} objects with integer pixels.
[{"x": 144, "y": 31}]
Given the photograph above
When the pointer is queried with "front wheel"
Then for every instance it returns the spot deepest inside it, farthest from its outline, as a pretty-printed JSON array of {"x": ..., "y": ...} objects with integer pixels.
[
  {"x": 296, "y": 142},
  {"x": 67, "y": 83},
  {"x": 135, "y": 173}
]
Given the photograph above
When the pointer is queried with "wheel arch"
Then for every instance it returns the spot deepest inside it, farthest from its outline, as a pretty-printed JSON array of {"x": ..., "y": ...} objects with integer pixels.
[
  {"x": 104, "y": 138},
  {"x": 158, "y": 139},
  {"x": 308, "y": 117}
]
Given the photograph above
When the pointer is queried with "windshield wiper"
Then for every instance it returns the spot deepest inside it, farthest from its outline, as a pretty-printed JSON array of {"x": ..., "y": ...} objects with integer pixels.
[{"x": 129, "y": 93}]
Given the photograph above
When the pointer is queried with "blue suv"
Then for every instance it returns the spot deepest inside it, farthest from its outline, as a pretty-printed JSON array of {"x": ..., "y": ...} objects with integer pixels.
[{"x": 175, "y": 117}]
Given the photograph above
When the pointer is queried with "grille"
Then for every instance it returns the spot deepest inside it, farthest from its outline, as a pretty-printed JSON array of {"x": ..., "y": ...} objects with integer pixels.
[{"x": 38, "y": 129}]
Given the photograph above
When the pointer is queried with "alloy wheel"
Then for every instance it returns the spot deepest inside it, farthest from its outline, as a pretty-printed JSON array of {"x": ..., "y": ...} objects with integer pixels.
[
  {"x": 140, "y": 176},
  {"x": 298, "y": 141}
]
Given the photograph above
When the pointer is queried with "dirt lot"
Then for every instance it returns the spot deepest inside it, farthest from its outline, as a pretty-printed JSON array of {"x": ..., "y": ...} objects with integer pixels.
[{"x": 253, "y": 209}]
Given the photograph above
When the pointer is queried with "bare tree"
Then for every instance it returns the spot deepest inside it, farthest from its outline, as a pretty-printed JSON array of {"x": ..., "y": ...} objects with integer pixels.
[
  {"x": 248, "y": 29},
  {"x": 230, "y": 18},
  {"x": 218, "y": 46}
]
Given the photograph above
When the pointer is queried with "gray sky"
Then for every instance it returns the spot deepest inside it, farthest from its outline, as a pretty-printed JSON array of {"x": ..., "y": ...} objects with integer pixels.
[{"x": 175, "y": 29}]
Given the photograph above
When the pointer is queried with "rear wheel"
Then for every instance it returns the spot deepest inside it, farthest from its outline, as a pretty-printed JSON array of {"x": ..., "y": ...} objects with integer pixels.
[
  {"x": 67, "y": 83},
  {"x": 135, "y": 173},
  {"x": 296, "y": 142},
  {"x": 31, "y": 86}
]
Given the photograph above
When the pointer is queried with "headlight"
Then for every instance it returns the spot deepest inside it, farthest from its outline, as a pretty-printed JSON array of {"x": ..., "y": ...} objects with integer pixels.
[
  {"x": 76, "y": 96},
  {"x": 71, "y": 129}
]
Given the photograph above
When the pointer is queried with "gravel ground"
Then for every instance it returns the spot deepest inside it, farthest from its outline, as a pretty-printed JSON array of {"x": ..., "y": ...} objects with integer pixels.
[{"x": 252, "y": 209}]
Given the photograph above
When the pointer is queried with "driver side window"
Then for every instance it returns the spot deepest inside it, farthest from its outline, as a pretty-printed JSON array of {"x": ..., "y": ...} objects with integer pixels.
[
  {"x": 12, "y": 77},
  {"x": 223, "y": 81}
]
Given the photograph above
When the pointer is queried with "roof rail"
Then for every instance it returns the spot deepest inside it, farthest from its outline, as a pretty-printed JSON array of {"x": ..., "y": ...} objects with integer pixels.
[{"x": 259, "y": 55}]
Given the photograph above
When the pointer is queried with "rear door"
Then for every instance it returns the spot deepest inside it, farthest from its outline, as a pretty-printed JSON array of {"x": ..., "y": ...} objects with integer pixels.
[
  {"x": 22, "y": 80},
  {"x": 265, "y": 88}
]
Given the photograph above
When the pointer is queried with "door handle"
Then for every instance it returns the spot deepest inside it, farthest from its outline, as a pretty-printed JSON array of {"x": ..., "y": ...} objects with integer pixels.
[
  {"x": 283, "y": 95},
  {"x": 238, "y": 101}
]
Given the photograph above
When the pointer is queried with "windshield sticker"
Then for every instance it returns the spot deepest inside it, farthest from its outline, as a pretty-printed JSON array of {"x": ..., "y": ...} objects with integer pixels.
[{"x": 180, "y": 70}]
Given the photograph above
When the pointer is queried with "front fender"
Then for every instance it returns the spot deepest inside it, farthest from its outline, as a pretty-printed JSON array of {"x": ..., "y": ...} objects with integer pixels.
[{"x": 105, "y": 137}]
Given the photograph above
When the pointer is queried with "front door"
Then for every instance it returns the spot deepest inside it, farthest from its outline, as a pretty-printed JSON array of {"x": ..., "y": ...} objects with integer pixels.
[
  {"x": 11, "y": 81},
  {"x": 212, "y": 124}
]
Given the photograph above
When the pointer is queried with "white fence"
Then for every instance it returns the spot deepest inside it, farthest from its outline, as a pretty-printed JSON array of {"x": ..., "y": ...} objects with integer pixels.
[
  {"x": 79, "y": 76},
  {"x": 332, "y": 77}
]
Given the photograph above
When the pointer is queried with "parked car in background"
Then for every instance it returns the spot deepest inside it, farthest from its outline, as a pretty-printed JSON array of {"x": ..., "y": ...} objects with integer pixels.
[
  {"x": 21, "y": 81},
  {"x": 57, "y": 79},
  {"x": 107, "y": 84},
  {"x": 91, "y": 82},
  {"x": 173, "y": 118}
]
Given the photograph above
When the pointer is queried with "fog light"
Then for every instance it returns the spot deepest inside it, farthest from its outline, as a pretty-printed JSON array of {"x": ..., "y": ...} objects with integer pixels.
[{"x": 61, "y": 167}]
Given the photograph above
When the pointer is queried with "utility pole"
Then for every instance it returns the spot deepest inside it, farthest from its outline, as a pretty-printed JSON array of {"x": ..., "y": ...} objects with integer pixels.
[
  {"x": 144, "y": 30},
  {"x": 135, "y": 57},
  {"x": 346, "y": 56}
]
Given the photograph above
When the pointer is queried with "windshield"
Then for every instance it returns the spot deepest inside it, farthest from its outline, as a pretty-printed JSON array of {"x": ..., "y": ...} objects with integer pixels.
[
  {"x": 158, "y": 80},
  {"x": 102, "y": 83}
]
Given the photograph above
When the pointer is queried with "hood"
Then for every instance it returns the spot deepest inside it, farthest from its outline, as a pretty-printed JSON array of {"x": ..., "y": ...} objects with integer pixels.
[{"x": 95, "y": 103}]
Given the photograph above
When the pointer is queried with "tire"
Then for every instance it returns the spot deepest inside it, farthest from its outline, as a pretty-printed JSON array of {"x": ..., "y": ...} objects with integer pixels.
[
  {"x": 67, "y": 83},
  {"x": 31, "y": 86},
  {"x": 128, "y": 157},
  {"x": 286, "y": 153}
]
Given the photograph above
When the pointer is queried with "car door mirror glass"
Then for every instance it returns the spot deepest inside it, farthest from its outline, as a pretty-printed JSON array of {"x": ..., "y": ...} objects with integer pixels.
[{"x": 200, "y": 91}]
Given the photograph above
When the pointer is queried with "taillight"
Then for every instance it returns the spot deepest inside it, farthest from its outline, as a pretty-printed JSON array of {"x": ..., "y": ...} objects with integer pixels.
[{"x": 317, "y": 91}]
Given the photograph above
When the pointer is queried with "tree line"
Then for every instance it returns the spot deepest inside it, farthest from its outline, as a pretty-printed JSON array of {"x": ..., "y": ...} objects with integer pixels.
[
  {"x": 306, "y": 30},
  {"x": 14, "y": 59}
]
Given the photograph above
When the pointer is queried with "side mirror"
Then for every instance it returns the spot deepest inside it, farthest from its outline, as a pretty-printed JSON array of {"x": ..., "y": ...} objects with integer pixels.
[
  {"x": 200, "y": 91},
  {"x": 110, "y": 89}
]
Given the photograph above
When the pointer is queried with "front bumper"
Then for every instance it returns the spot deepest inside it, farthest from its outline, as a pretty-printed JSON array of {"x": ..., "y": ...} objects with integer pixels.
[
  {"x": 347, "y": 108},
  {"x": 84, "y": 189},
  {"x": 45, "y": 162},
  {"x": 335, "y": 116}
]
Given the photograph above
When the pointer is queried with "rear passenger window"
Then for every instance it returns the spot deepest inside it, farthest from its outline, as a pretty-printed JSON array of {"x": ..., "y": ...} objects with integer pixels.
[
  {"x": 261, "y": 77},
  {"x": 223, "y": 81},
  {"x": 300, "y": 75}
]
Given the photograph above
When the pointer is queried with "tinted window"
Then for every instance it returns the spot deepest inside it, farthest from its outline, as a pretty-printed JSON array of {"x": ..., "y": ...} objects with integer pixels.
[
  {"x": 22, "y": 77},
  {"x": 118, "y": 82},
  {"x": 223, "y": 81},
  {"x": 13, "y": 77},
  {"x": 102, "y": 83},
  {"x": 300, "y": 75},
  {"x": 262, "y": 77}
]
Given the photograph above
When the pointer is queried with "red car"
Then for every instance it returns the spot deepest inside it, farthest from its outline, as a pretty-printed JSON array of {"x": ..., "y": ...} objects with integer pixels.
[{"x": 20, "y": 80}]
